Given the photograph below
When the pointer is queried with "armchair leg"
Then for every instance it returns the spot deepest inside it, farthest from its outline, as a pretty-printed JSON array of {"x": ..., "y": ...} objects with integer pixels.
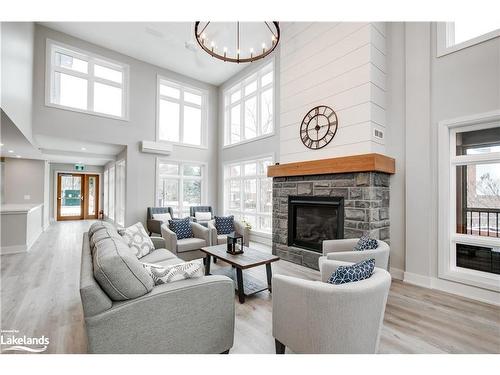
[
  {"x": 225, "y": 352},
  {"x": 280, "y": 347},
  {"x": 215, "y": 259},
  {"x": 150, "y": 233}
]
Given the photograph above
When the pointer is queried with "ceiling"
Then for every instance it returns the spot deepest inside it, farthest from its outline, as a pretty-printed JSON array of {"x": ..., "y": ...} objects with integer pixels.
[{"x": 170, "y": 45}]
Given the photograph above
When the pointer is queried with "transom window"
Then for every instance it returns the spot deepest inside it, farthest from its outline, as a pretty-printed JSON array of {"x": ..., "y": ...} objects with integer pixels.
[
  {"x": 180, "y": 185},
  {"x": 248, "y": 193},
  {"x": 182, "y": 113},
  {"x": 84, "y": 82},
  {"x": 454, "y": 36},
  {"x": 249, "y": 107}
]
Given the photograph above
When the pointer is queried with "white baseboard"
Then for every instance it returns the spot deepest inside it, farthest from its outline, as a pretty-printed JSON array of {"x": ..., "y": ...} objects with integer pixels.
[
  {"x": 396, "y": 273},
  {"x": 4, "y": 250},
  {"x": 467, "y": 291}
]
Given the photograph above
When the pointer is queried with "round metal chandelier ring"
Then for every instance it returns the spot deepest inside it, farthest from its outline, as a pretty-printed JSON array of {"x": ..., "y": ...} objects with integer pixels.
[{"x": 224, "y": 57}]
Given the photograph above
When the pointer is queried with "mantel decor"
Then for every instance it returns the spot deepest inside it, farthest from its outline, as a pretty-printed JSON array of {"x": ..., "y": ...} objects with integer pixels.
[
  {"x": 237, "y": 42},
  {"x": 318, "y": 127}
]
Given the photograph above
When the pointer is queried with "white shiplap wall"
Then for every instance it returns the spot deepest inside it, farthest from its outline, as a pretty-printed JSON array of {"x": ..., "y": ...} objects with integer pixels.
[{"x": 341, "y": 65}]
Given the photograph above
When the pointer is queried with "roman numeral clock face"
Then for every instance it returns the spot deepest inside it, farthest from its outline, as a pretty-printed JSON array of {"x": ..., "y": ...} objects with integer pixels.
[{"x": 318, "y": 127}]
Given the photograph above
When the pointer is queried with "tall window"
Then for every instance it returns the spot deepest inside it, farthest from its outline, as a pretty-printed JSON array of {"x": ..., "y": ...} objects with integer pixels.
[
  {"x": 248, "y": 192},
  {"x": 182, "y": 113},
  {"x": 120, "y": 192},
  {"x": 454, "y": 36},
  {"x": 106, "y": 192},
  {"x": 84, "y": 82},
  {"x": 249, "y": 107},
  {"x": 180, "y": 185},
  {"x": 111, "y": 193}
]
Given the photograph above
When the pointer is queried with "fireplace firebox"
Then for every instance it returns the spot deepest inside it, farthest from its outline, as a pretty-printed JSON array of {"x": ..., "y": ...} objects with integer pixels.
[{"x": 311, "y": 220}]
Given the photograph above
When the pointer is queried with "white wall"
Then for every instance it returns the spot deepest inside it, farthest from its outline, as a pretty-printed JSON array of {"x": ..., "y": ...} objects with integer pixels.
[
  {"x": 140, "y": 187},
  {"x": 341, "y": 65},
  {"x": 17, "y": 74},
  {"x": 24, "y": 177}
]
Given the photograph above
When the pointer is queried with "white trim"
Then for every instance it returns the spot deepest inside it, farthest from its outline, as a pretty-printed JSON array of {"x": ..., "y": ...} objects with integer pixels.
[
  {"x": 447, "y": 236},
  {"x": 446, "y": 39},
  {"x": 478, "y": 294},
  {"x": 256, "y": 139},
  {"x": 396, "y": 273},
  {"x": 15, "y": 249},
  {"x": 91, "y": 59}
]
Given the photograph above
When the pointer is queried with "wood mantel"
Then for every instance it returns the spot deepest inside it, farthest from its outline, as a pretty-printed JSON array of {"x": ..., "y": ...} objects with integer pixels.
[{"x": 345, "y": 164}]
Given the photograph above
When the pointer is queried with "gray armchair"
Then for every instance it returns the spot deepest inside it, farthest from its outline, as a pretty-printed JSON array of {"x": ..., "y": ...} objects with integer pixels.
[
  {"x": 187, "y": 248},
  {"x": 239, "y": 227},
  {"x": 194, "y": 209},
  {"x": 318, "y": 317},
  {"x": 343, "y": 250},
  {"x": 154, "y": 226}
]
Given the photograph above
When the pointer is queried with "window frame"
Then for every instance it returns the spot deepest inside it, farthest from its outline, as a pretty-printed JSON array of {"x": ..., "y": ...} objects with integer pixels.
[
  {"x": 445, "y": 32},
  {"x": 253, "y": 76},
  {"x": 120, "y": 191},
  {"x": 241, "y": 178},
  {"x": 183, "y": 87},
  {"x": 181, "y": 178},
  {"x": 447, "y": 233},
  {"x": 53, "y": 46}
]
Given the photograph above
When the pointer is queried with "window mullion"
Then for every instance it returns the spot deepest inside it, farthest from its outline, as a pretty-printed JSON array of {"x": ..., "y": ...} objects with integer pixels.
[{"x": 90, "y": 87}]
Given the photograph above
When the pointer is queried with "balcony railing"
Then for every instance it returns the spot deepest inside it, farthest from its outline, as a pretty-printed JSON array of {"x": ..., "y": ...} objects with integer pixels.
[{"x": 482, "y": 221}]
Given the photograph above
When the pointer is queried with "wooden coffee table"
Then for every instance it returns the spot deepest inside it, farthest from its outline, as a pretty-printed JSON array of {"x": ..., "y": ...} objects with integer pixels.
[{"x": 249, "y": 259}]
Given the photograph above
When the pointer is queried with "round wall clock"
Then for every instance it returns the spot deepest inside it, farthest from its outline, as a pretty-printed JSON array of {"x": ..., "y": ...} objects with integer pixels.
[{"x": 318, "y": 127}]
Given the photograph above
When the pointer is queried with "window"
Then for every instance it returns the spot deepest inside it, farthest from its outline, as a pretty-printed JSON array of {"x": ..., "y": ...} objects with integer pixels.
[
  {"x": 111, "y": 193},
  {"x": 249, "y": 107},
  {"x": 180, "y": 185},
  {"x": 454, "y": 36},
  {"x": 182, "y": 113},
  {"x": 106, "y": 192},
  {"x": 469, "y": 203},
  {"x": 84, "y": 82},
  {"x": 120, "y": 192},
  {"x": 248, "y": 193}
]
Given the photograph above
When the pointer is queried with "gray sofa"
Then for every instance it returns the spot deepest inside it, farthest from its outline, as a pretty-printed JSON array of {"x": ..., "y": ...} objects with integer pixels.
[{"x": 126, "y": 313}]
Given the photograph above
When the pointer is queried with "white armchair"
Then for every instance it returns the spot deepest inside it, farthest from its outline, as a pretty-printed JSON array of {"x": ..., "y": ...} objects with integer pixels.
[
  {"x": 187, "y": 248},
  {"x": 239, "y": 227},
  {"x": 318, "y": 317},
  {"x": 343, "y": 250}
]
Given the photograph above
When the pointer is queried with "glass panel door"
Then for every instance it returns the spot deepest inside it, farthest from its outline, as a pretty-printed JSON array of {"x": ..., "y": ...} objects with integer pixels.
[
  {"x": 70, "y": 197},
  {"x": 91, "y": 197}
]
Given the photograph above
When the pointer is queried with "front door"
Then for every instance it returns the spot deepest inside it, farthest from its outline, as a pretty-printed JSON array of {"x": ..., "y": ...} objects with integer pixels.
[{"x": 77, "y": 196}]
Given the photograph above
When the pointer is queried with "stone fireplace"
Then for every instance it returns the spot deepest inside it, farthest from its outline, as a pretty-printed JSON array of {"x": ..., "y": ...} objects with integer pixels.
[{"x": 318, "y": 205}]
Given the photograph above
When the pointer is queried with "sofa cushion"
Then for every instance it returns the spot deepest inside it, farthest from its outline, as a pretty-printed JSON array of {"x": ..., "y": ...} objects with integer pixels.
[
  {"x": 118, "y": 271},
  {"x": 170, "y": 262},
  {"x": 181, "y": 227},
  {"x": 99, "y": 225},
  {"x": 138, "y": 240},
  {"x": 356, "y": 272},
  {"x": 101, "y": 234},
  {"x": 158, "y": 255},
  {"x": 189, "y": 244},
  {"x": 224, "y": 224},
  {"x": 366, "y": 243},
  {"x": 168, "y": 274}
]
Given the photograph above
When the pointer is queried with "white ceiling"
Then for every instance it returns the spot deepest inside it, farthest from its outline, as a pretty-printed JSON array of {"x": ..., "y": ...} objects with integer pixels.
[{"x": 170, "y": 45}]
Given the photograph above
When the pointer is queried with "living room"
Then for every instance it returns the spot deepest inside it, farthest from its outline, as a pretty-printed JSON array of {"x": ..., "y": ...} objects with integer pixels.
[{"x": 252, "y": 180}]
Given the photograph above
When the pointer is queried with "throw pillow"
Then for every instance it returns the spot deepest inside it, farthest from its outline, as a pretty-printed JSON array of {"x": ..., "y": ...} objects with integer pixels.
[
  {"x": 356, "y": 272},
  {"x": 203, "y": 216},
  {"x": 366, "y": 243},
  {"x": 176, "y": 272},
  {"x": 181, "y": 227},
  {"x": 162, "y": 217},
  {"x": 138, "y": 240},
  {"x": 224, "y": 224}
]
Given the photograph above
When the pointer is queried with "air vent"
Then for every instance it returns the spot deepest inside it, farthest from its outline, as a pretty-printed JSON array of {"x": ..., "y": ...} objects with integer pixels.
[{"x": 378, "y": 133}]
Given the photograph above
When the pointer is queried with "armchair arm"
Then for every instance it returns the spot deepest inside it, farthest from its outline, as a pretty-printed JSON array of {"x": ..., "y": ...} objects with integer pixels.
[
  {"x": 330, "y": 246},
  {"x": 187, "y": 316},
  {"x": 213, "y": 232},
  {"x": 170, "y": 238},
  {"x": 381, "y": 256},
  {"x": 199, "y": 231},
  {"x": 158, "y": 242},
  {"x": 242, "y": 229},
  {"x": 327, "y": 267},
  {"x": 154, "y": 226}
]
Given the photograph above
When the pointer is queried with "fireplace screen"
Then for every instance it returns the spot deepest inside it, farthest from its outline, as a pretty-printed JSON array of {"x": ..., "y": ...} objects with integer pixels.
[{"x": 311, "y": 220}]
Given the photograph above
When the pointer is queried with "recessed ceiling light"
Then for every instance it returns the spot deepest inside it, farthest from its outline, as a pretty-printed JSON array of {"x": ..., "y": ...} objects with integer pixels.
[
  {"x": 11, "y": 151},
  {"x": 1, "y": 144},
  {"x": 18, "y": 156},
  {"x": 83, "y": 148}
]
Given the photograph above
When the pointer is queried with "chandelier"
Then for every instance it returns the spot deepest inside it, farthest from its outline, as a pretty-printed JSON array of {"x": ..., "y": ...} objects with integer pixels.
[{"x": 237, "y": 42}]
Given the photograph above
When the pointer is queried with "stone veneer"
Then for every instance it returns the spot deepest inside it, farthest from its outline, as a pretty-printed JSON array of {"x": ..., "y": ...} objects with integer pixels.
[{"x": 366, "y": 203}]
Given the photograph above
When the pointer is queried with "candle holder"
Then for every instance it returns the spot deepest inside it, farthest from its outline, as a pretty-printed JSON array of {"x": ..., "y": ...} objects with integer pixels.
[{"x": 233, "y": 239}]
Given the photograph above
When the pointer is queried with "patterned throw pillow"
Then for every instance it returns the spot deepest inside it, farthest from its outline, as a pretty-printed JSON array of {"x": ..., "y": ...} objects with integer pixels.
[
  {"x": 366, "y": 243},
  {"x": 168, "y": 274},
  {"x": 356, "y": 272},
  {"x": 137, "y": 239},
  {"x": 224, "y": 224},
  {"x": 181, "y": 227},
  {"x": 162, "y": 217}
]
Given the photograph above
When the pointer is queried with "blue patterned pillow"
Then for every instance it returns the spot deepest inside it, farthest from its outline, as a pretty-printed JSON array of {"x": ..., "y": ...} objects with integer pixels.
[
  {"x": 356, "y": 272},
  {"x": 366, "y": 243},
  {"x": 224, "y": 224},
  {"x": 181, "y": 227}
]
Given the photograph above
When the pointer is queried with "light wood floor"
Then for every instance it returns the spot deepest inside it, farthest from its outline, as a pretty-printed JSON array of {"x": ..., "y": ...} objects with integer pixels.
[{"x": 39, "y": 296}]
